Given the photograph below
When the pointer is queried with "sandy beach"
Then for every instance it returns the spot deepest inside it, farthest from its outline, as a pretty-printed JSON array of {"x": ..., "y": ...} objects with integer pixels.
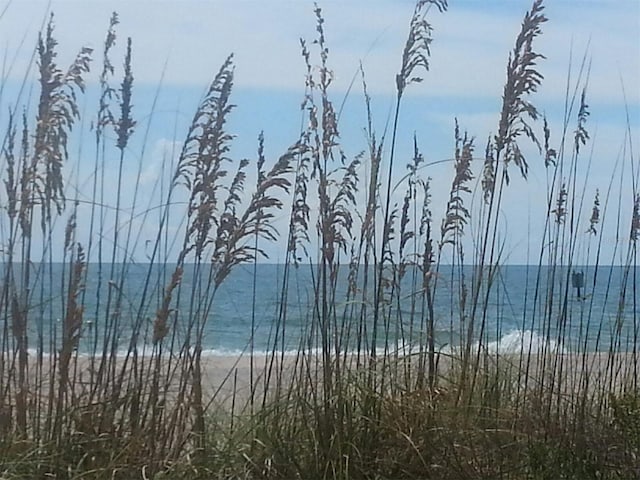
[{"x": 231, "y": 381}]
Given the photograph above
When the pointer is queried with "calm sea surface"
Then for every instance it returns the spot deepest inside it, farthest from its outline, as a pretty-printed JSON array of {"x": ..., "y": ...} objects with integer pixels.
[{"x": 525, "y": 306}]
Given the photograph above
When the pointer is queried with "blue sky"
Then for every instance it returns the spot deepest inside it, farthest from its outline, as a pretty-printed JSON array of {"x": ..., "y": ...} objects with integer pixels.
[{"x": 182, "y": 44}]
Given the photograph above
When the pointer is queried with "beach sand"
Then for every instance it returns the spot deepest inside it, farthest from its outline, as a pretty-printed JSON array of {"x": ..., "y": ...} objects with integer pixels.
[{"x": 231, "y": 382}]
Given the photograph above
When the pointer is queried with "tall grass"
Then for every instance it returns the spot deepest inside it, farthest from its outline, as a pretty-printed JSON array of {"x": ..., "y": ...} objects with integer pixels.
[{"x": 117, "y": 388}]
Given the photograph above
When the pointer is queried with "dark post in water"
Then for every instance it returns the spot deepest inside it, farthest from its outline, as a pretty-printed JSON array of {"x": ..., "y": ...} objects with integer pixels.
[{"x": 577, "y": 279}]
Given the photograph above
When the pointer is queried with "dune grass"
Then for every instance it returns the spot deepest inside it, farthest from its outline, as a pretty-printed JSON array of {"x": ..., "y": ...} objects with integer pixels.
[{"x": 117, "y": 388}]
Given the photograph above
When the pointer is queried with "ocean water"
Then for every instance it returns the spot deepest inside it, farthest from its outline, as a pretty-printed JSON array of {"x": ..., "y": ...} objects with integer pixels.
[{"x": 526, "y": 308}]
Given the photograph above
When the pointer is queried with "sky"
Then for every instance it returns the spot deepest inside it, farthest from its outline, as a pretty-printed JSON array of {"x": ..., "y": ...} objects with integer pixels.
[{"x": 179, "y": 45}]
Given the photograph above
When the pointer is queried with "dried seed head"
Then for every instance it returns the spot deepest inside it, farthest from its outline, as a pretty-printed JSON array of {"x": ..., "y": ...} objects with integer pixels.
[
  {"x": 550, "y": 155},
  {"x": 522, "y": 80},
  {"x": 560, "y": 211},
  {"x": 595, "y": 214},
  {"x": 488, "y": 172},
  {"x": 417, "y": 47},
  {"x": 105, "y": 117},
  {"x": 635, "y": 220},
  {"x": 581, "y": 135},
  {"x": 57, "y": 112},
  {"x": 161, "y": 324},
  {"x": 126, "y": 124},
  {"x": 457, "y": 214}
]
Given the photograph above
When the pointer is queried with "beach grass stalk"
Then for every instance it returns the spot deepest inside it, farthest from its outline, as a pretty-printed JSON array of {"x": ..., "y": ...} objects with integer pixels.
[{"x": 104, "y": 378}]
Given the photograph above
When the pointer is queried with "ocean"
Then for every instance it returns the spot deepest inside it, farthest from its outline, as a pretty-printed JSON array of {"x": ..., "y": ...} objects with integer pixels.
[{"x": 527, "y": 307}]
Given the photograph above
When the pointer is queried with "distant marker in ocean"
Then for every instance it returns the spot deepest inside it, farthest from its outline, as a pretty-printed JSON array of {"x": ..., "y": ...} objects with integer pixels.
[{"x": 577, "y": 280}]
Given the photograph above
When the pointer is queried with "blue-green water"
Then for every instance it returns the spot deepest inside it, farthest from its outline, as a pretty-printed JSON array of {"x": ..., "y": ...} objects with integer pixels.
[{"x": 525, "y": 306}]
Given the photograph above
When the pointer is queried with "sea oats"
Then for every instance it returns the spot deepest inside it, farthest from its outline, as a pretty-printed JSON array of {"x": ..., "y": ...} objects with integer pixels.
[
  {"x": 581, "y": 135},
  {"x": 523, "y": 79},
  {"x": 635, "y": 220},
  {"x": 125, "y": 124},
  {"x": 595, "y": 214},
  {"x": 457, "y": 215},
  {"x": 57, "y": 112}
]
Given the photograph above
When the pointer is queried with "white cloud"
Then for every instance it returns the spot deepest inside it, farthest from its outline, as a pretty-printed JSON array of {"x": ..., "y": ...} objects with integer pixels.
[
  {"x": 468, "y": 56},
  {"x": 158, "y": 165}
]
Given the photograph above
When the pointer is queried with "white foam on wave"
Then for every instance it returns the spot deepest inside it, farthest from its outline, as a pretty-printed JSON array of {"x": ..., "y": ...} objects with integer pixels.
[
  {"x": 514, "y": 342},
  {"x": 519, "y": 341}
]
